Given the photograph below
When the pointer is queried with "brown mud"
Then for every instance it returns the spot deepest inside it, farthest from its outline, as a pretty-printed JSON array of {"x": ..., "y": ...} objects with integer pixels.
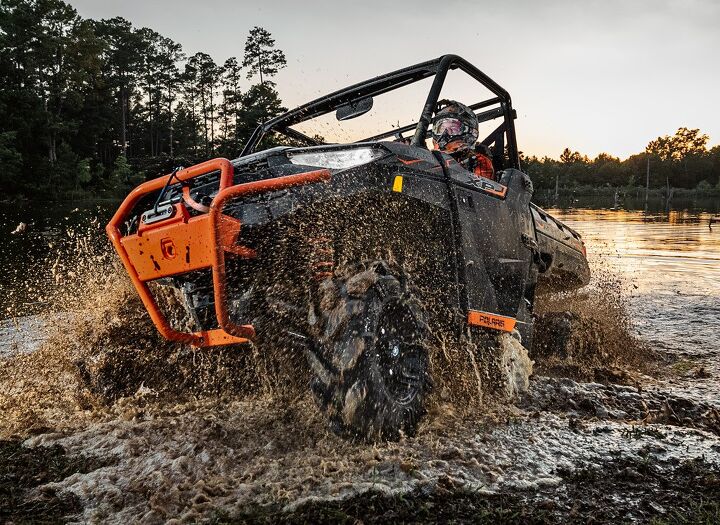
[
  {"x": 122, "y": 426},
  {"x": 691, "y": 494},
  {"x": 24, "y": 469},
  {"x": 599, "y": 341}
]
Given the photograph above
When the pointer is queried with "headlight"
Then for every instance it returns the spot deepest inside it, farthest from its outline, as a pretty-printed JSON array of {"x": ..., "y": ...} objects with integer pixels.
[{"x": 336, "y": 159}]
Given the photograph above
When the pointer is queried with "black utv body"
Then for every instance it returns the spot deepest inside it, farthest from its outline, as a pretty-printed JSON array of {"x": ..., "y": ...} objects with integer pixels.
[{"x": 361, "y": 254}]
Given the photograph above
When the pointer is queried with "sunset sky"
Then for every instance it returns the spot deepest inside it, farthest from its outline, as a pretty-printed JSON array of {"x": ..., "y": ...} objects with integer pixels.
[{"x": 591, "y": 75}]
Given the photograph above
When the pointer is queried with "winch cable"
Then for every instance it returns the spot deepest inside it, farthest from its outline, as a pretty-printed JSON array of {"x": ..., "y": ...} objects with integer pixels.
[{"x": 162, "y": 192}]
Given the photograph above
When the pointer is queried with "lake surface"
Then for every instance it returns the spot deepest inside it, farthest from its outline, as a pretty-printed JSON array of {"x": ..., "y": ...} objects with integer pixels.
[{"x": 670, "y": 263}]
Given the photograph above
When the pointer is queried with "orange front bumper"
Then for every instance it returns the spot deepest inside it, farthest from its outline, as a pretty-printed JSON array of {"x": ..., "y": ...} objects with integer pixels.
[{"x": 182, "y": 244}]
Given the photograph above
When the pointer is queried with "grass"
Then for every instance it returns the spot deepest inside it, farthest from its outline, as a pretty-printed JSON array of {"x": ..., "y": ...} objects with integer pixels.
[
  {"x": 700, "y": 512},
  {"x": 684, "y": 366}
]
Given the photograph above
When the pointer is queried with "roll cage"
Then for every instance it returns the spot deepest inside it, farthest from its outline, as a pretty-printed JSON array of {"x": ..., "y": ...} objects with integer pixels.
[{"x": 502, "y": 138}]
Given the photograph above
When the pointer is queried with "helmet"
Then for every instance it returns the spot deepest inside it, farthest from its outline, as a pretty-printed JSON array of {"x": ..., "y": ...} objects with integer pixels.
[{"x": 455, "y": 127}]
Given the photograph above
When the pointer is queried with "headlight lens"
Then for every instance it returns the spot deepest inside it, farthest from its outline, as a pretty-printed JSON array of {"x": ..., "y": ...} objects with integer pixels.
[{"x": 336, "y": 159}]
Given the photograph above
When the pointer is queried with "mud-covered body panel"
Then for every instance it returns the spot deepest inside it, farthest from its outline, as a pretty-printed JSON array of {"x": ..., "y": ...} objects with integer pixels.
[
  {"x": 494, "y": 222},
  {"x": 563, "y": 253},
  {"x": 496, "y": 260},
  {"x": 422, "y": 180}
]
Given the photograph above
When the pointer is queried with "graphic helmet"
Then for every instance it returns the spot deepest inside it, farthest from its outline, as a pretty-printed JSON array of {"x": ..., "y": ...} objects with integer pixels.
[{"x": 455, "y": 127}]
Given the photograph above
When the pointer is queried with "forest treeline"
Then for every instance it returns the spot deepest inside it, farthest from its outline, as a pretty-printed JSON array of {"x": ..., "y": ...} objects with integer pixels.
[
  {"x": 92, "y": 107},
  {"x": 682, "y": 160}
]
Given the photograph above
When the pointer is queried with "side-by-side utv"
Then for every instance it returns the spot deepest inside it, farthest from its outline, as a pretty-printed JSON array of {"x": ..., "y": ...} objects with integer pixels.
[{"x": 362, "y": 251}]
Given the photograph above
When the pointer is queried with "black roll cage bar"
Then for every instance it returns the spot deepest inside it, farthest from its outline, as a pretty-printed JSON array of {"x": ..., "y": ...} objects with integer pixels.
[{"x": 397, "y": 79}]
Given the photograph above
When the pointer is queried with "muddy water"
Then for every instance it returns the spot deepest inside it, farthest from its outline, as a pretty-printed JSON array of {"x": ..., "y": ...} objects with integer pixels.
[
  {"x": 198, "y": 459},
  {"x": 671, "y": 262}
]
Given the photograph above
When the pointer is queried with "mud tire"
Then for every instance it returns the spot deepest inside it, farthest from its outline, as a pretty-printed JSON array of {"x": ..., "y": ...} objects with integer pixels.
[{"x": 370, "y": 364}]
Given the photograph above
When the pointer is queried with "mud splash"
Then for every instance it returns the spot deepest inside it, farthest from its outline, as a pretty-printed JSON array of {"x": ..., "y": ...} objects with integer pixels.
[
  {"x": 588, "y": 334},
  {"x": 92, "y": 344},
  {"x": 175, "y": 433},
  {"x": 188, "y": 461}
]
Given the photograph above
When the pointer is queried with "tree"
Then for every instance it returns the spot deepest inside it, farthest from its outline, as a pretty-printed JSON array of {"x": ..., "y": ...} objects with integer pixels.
[
  {"x": 232, "y": 99},
  {"x": 606, "y": 169},
  {"x": 88, "y": 103},
  {"x": 714, "y": 155},
  {"x": 185, "y": 133},
  {"x": 158, "y": 79},
  {"x": 205, "y": 75},
  {"x": 121, "y": 174},
  {"x": 63, "y": 57},
  {"x": 122, "y": 60},
  {"x": 604, "y": 158},
  {"x": 189, "y": 106},
  {"x": 685, "y": 142},
  {"x": 260, "y": 103},
  {"x": 83, "y": 174},
  {"x": 571, "y": 157},
  {"x": 686, "y": 150},
  {"x": 10, "y": 160},
  {"x": 169, "y": 74},
  {"x": 261, "y": 57}
]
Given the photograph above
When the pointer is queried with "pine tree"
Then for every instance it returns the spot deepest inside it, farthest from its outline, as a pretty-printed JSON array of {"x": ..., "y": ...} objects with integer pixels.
[
  {"x": 206, "y": 78},
  {"x": 122, "y": 61},
  {"x": 232, "y": 98},
  {"x": 261, "y": 57},
  {"x": 260, "y": 103}
]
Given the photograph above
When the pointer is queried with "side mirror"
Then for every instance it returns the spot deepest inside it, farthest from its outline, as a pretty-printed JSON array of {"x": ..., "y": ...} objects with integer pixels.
[{"x": 354, "y": 109}]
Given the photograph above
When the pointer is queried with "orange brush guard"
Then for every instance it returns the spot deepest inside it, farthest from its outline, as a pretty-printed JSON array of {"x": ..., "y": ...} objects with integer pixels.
[{"x": 182, "y": 244}]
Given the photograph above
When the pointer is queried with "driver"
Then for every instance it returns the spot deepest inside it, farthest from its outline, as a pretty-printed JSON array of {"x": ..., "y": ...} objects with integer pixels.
[{"x": 455, "y": 131}]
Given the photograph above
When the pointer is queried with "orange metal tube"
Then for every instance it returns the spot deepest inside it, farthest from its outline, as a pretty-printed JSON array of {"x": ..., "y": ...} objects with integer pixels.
[
  {"x": 226, "y": 180},
  {"x": 229, "y": 332},
  {"x": 113, "y": 231},
  {"x": 218, "y": 269},
  {"x": 192, "y": 202}
]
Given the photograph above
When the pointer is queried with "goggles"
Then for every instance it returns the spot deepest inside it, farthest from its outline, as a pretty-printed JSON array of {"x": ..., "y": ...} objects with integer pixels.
[{"x": 452, "y": 126}]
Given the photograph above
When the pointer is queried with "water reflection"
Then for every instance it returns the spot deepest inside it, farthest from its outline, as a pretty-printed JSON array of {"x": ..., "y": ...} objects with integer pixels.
[
  {"x": 649, "y": 248},
  {"x": 671, "y": 262}
]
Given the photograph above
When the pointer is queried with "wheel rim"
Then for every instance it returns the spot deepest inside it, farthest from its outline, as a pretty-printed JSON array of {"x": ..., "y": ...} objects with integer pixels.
[{"x": 401, "y": 358}]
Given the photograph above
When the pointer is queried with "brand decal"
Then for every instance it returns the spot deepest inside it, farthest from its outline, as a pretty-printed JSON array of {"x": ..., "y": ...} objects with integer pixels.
[
  {"x": 489, "y": 320},
  {"x": 488, "y": 186},
  {"x": 167, "y": 247}
]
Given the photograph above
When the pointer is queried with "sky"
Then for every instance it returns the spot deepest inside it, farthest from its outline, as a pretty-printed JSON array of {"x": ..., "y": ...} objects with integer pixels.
[{"x": 594, "y": 76}]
